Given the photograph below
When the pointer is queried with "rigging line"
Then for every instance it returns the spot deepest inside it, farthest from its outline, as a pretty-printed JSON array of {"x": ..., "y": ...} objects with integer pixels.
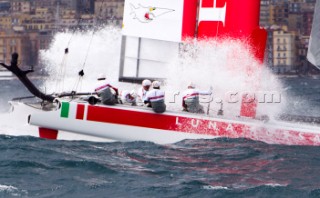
[
  {"x": 85, "y": 61},
  {"x": 61, "y": 74},
  {"x": 79, "y": 81},
  {"x": 93, "y": 32},
  {"x": 74, "y": 30},
  {"x": 87, "y": 53},
  {"x": 81, "y": 74},
  {"x": 62, "y": 71},
  {"x": 218, "y": 24}
]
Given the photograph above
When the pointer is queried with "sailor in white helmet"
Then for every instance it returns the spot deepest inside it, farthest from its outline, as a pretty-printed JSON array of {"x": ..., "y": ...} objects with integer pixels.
[
  {"x": 107, "y": 92},
  {"x": 190, "y": 99},
  {"x": 155, "y": 98},
  {"x": 128, "y": 97},
  {"x": 142, "y": 92}
]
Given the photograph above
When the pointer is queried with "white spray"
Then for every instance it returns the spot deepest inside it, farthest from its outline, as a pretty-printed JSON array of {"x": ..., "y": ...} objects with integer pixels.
[
  {"x": 94, "y": 52},
  {"x": 225, "y": 66},
  {"x": 222, "y": 65}
]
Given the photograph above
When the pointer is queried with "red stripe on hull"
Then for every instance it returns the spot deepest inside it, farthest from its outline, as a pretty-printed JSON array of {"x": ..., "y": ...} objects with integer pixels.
[
  {"x": 80, "y": 111},
  {"x": 132, "y": 118},
  {"x": 165, "y": 122},
  {"x": 201, "y": 126}
]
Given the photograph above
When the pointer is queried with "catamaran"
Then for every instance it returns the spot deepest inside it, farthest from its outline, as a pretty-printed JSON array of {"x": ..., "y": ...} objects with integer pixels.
[{"x": 165, "y": 26}]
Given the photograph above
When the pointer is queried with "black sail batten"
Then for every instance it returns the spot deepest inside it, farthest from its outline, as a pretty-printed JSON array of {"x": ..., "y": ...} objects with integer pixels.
[{"x": 22, "y": 75}]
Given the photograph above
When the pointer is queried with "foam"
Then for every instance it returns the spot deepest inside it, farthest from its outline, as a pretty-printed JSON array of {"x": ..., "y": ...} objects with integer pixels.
[{"x": 222, "y": 65}]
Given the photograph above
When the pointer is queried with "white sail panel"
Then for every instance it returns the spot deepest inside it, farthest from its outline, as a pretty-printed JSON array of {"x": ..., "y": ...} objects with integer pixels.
[
  {"x": 149, "y": 48},
  {"x": 313, "y": 55},
  {"x": 132, "y": 47},
  {"x": 154, "y": 19},
  {"x": 130, "y": 69}
]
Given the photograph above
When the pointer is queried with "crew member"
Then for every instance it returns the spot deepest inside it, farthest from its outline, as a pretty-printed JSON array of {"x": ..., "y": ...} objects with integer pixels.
[
  {"x": 142, "y": 92},
  {"x": 190, "y": 99},
  {"x": 155, "y": 98},
  {"x": 107, "y": 92},
  {"x": 128, "y": 97}
]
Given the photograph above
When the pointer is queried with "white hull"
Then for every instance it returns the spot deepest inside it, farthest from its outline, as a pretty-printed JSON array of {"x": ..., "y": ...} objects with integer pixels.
[
  {"x": 122, "y": 123},
  {"x": 15, "y": 123}
]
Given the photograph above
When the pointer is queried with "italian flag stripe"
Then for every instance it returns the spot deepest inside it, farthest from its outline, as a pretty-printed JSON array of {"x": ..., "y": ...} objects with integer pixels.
[
  {"x": 65, "y": 110},
  {"x": 80, "y": 111}
]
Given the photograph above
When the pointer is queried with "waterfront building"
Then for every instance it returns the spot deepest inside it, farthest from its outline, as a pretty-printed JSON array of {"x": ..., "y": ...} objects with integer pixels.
[
  {"x": 109, "y": 11},
  {"x": 279, "y": 13},
  {"x": 284, "y": 50},
  {"x": 11, "y": 42},
  {"x": 20, "y": 6},
  {"x": 5, "y": 6},
  {"x": 265, "y": 13}
]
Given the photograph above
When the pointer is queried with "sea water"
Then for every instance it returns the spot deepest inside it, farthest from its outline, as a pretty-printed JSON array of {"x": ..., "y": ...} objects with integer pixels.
[{"x": 33, "y": 167}]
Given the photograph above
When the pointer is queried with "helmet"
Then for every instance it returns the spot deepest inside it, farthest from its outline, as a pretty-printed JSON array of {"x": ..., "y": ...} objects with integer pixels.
[
  {"x": 101, "y": 76},
  {"x": 191, "y": 85},
  {"x": 133, "y": 93},
  {"x": 156, "y": 84},
  {"x": 146, "y": 82}
]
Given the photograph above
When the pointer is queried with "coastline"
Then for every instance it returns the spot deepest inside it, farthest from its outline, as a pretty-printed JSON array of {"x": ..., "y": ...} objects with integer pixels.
[
  {"x": 313, "y": 76},
  {"x": 31, "y": 77}
]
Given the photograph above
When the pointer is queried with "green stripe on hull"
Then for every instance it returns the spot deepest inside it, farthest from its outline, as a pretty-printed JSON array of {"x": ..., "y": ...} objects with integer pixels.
[{"x": 65, "y": 110}]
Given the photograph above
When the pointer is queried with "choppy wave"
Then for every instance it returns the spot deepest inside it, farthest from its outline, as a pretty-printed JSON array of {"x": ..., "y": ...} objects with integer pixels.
[
  {"x": 8, "y": 191},
  {"x": 33, "y": 167}
]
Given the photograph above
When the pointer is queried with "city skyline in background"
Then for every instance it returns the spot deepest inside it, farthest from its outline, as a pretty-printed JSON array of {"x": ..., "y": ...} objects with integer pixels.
[{"x": 27, "y": 26}]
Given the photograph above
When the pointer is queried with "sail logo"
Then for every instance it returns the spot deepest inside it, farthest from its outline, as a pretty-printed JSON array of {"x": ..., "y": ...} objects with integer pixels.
[
  {"x": 146, "y": 14},
  {"x": 209, "y": 11},
  {"x": 180, "y": 20},
  {"x": 165, "y": 20}
]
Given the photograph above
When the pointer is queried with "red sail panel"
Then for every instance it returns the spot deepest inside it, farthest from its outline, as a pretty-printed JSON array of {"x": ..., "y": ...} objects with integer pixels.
[
  {"x": 211, "y": 29},
  {"x": 189, "y": 19},
  {"x": 211, "y": 26},
  {"x": 207, "y": 3},
  {"x": 242, "y": 17},
  {"x": 258, "y": 43},
  {"x": 236, "y": 19}
]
